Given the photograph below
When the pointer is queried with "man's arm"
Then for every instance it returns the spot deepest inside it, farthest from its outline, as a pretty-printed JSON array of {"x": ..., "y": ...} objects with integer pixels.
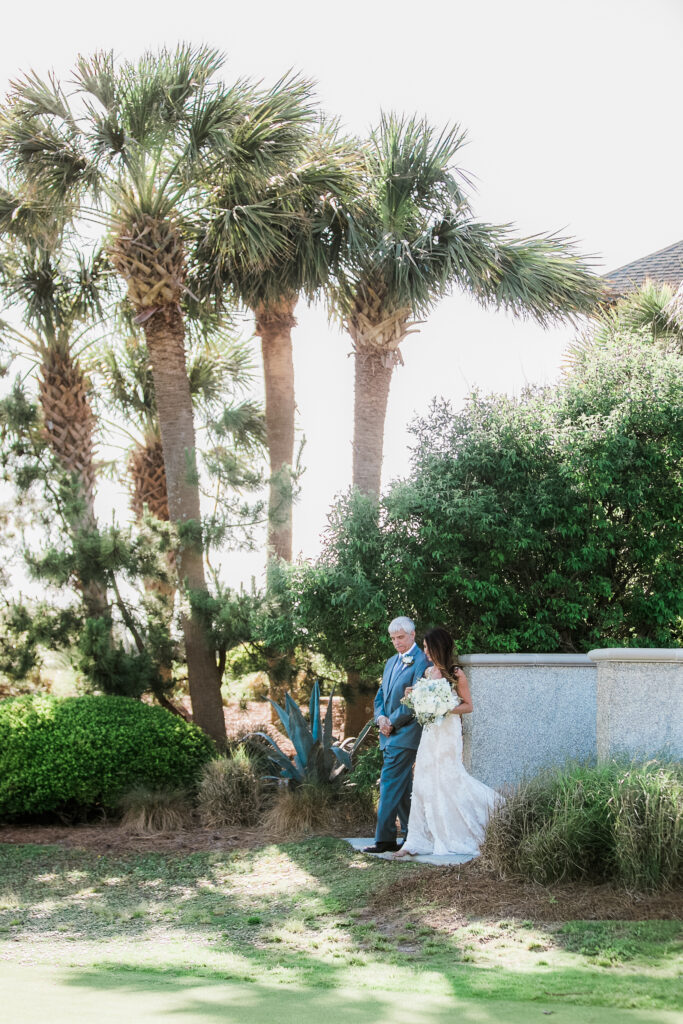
[
  {"x": 403, "y": 715},
  {"x": 381, "y": 717},
  {"x": 379, "y": 702}
]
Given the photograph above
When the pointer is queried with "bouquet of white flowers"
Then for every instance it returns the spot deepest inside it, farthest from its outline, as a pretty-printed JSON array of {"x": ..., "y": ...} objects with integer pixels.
[{"x": 431, "y": 699}]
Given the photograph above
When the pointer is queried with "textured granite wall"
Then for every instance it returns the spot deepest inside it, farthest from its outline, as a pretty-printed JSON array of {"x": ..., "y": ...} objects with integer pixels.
[
  {"x": 639, "y": 701},
  {"x": 536, "y": 710},
  {"x": 530, "y": 711}
]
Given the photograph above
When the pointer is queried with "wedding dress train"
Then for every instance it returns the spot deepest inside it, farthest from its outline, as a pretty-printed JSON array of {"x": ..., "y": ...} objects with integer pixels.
[{"x": 449, "y": 809}]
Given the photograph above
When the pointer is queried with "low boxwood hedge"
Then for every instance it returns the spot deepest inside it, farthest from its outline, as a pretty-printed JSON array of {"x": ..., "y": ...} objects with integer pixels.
[{"x": 75, "y": 754}]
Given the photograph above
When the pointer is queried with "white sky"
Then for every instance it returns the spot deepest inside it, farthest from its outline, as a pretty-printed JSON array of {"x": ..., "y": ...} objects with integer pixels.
[{"x": 573, "y": 112}]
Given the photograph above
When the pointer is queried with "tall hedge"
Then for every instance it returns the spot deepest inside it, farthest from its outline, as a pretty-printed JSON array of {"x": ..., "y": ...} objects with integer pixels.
[
  {"x": 548, "y": 522},
  {"x": 73, "y": 754}
]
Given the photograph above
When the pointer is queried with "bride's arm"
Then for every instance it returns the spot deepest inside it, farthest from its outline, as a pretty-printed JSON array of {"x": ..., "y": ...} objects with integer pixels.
[{"x": 462, "y": 688}]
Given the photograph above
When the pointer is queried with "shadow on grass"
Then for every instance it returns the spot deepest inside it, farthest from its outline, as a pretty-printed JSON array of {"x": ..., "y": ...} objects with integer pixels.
[
  {"x": 212, "y": 1001},
  {"x": 202, "y": 893}
]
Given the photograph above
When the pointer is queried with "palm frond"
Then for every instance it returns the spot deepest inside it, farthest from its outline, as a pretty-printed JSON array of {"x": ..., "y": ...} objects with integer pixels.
[
  {"x": 412, "y": 238},
  {"x": 274, "y": 125},
  {"x": 645, "y": 313},
  {"x": 244, "y": 425}
]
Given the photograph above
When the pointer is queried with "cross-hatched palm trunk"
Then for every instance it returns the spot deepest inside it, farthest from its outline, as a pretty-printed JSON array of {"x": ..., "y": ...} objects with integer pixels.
[
  {"x": 69, "y": 426},
  {"x": 147, "y": 476},
  {"x": 148, "y": 491}
]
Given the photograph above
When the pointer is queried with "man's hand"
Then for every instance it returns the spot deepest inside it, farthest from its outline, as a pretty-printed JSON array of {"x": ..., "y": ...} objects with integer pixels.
[{"x": 385, "y": 726}]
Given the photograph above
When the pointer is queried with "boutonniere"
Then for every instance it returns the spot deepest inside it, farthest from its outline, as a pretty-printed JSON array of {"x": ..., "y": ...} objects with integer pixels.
[{"x": 407, "y": 659}]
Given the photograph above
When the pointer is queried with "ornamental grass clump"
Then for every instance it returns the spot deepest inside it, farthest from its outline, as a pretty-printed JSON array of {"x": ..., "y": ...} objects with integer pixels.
[
  {"x": 300, "y": 811},
  {"x": 620, "y": 821},
  {"x": 230, "y": 790},
  {"x": 148, "y": 811}
]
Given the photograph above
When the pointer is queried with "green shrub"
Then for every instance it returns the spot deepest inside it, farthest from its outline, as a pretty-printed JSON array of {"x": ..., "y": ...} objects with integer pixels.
[
  {"x": 619, "y": 821},
  {"x": 74, "y": 754},
  {"x": 366, "y": 770}
]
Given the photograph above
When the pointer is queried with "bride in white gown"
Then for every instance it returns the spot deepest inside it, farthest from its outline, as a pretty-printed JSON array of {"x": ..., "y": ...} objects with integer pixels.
[{"x": 449, "y": 809}]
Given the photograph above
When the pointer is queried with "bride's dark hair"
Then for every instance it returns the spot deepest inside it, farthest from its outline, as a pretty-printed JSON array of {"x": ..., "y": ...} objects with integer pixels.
[{"x": 442, "y": 650}]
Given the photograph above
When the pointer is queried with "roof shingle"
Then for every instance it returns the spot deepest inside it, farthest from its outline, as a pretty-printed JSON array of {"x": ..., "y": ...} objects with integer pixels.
[{"x": 664, "y": 267}]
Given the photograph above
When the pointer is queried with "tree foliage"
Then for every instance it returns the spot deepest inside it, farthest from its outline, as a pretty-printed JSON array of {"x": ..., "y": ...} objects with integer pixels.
[{"x": 550, "y": 522}]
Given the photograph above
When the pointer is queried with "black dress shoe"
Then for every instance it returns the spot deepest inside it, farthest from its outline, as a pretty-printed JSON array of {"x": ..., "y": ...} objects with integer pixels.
[{"x": 381, "y": 848}]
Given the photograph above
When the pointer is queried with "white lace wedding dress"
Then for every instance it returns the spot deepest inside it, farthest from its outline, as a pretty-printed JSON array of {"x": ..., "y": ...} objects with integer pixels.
[{"x": 449, "y": 809}]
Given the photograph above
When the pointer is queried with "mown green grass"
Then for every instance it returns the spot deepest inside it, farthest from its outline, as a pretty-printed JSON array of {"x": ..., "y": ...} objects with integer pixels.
[{"x": 297, "y": 917}]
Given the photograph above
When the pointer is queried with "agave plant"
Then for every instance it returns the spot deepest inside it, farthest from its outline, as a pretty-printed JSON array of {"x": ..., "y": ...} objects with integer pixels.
[{"x": 318, "y": 759}]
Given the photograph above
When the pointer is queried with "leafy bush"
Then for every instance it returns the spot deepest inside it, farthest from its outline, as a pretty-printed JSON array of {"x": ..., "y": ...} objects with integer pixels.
[
  {"x": 73, "y": 754},
  {"x": 366, "y": 770},
  {"x": 551, "y": 522},
  {"x": 619, "y": 821},
  {"x": 230, "y": 790}
]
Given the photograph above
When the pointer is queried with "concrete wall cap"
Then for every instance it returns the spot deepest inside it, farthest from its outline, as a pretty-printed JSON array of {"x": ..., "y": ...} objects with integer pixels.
[
  {"x": 513, "y": 660},
  {"x": 641, "y": 654}
]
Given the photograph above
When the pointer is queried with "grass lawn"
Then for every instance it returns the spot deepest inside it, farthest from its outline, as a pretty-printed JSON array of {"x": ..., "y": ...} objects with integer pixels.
[{"x": 289, "y": 932}]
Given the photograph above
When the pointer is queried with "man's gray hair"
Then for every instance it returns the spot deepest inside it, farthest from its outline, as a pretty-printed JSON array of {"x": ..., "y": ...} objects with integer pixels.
[{"x": 402, "y": 623}]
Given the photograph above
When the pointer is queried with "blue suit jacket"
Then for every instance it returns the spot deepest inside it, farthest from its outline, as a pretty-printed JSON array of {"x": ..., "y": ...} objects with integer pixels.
[{"x": 406, "y": 733}]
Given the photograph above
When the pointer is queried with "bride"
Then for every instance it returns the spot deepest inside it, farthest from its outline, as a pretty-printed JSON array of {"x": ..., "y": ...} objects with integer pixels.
[{"x": 449, "y": 809}]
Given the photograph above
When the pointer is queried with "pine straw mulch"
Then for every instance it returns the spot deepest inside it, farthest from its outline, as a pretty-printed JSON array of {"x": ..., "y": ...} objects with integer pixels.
[
  {"x": 448, "y": 897},
  {"x": 109, "y": 837}
]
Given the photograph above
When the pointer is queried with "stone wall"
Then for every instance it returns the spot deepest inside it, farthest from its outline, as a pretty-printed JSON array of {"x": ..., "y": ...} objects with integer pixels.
[
  {"x": 536, "y": 710},
  {"x": 640, "y": 702},
  {"x": 530, "y": 710}
]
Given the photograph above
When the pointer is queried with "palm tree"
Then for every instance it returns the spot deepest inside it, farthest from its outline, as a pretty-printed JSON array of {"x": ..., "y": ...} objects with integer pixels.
[
  {"x": 218, "y": 370},
  {"x": 412, "y": 240},
  {"x": 138, "y": 147},
  {"x": 305, "y": 202},
  {"x": 647, "y": 311},
  {"x": 58, "y": 294}
]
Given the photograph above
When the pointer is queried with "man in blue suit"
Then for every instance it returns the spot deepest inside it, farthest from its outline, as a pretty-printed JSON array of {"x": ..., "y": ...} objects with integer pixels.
[{"x": 399, "y": 734}]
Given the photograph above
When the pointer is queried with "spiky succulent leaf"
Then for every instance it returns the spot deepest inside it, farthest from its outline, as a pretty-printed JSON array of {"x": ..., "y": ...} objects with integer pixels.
[
  {"x": 288, "y": 769},
  {"x": 314, "y": 709},
  {"x": 299, "y": 731},
  {"x": 343, "y": 756},
  {"x": 281, "y": 713},
  {"x": 361, "y": 736}
]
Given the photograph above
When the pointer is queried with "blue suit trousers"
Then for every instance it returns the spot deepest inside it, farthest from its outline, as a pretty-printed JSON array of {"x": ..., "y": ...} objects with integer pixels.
[{"x": 395, "y": 787}]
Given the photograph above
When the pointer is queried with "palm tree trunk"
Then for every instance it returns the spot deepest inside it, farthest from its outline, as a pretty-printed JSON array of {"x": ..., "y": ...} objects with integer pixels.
[
  {"x": 147, "y": 477},
  {"x": 373, "y": 380},
  {"x": 376, "y": 337},
  {"x": 274, "y": 322},
  {"x": 69, "y": 430},
  {"x": 165, "y": 333}
]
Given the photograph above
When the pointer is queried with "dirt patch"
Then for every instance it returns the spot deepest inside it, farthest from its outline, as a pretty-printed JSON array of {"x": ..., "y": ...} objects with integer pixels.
[
  {"x": 448, "y": 897},
  {"x": 111, "y": 838}
]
